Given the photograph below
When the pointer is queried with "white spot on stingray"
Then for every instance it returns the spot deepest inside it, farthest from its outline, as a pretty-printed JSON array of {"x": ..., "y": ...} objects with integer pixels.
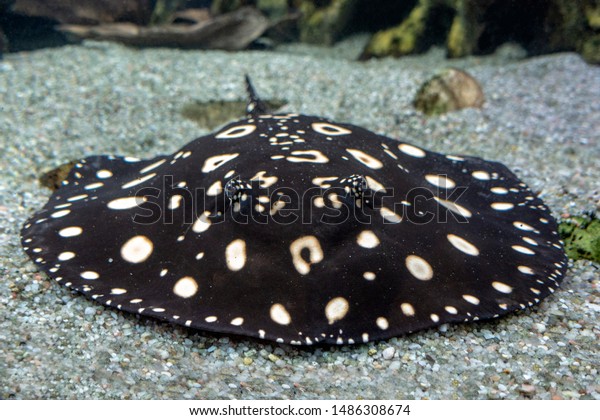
[
  {"x": 471, "y": 299},
  {"x": 125, "y": 203},
  {"x": 175, "y": 201},
  {"x": 367, "y": 160},
  {"x": 499, "y": 190},
  {"x": 441, "y": 181},
  {"x": 152, "y": 166},
  {"x": 89, "y": 275},
  {"x": 237, "y": 321},
  {"x": 451, "y": 310},
  {"x": 215, "y": 189},
  {"x": 137, "y": 181},
  {"x": 382, "y": 323},
  {"x": 118, "y": 291},
  {"x": 236, "y": 132},
  {"x": 278, "y": 205},
  {"x": 137, "y": 249},
  {"x": 523, "y": 250},
  {"x": 321, "y": 181},
  {"x": 374, "y": 185},
  {"x": 77, "y": 197},
  {"x": 389, "y": 215},
  {"x": 419, "y": 268},
  {"x": 235, "y": 255},
  {"x": 336, "y": 309},
  {"x": 455, "y": 158},
  {"x": 481, "y": 175},
  {"x": 202, "y": 223},
  {"x": 523, "y": 226},
  {"x": 70, "y": 231},
  {"x": 389, "y": 153},
  {"x": 104, "y": 173},
  {"x": 411, "y": 150},
  {"x": 530, "y": 241},
  {"x": 329, "y": 129},
  {"x": 434, "y": 317},
  {"x": 215, "y": 162},
  {"x": 65, "y": 256},
  {"x": 502, "y": 206},
  {"x": 279, "y": 314},
  {"x": 525, "y": 270},
  {"x": 369, "y": 275},
  {"x": 319, "y": 202},
  {"x": 158, "y": 309},
  {"x": 463, "y": 245},
  {"x": 453, "y": 207},
  {"x": 314, "y": 247},
  {"x": 367, "y": 239},
  {"x": 407, "y": 309},
  {"x": 93, "y": 186},
  {"x": 502, "y": 287},
  {"x": 265, "y": 181},
  {"x": 134, "y": 301},
  {"x": 185, "y": 287},
  {"x": 60, "y": 213},
  {"x": 335, "y": 200},
  {"x": 210, "y": 319},
  {"x": 316, "y": 156}
]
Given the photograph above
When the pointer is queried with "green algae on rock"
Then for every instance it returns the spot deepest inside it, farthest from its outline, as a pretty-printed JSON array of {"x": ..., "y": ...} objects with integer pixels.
[{"x": 581, "y": 235}]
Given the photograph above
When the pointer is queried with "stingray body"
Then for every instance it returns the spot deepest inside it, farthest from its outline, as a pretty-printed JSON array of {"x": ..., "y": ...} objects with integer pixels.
[{"x": 297, "y": 229}]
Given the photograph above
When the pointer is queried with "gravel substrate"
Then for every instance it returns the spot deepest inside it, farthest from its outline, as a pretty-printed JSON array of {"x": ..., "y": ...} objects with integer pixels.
[{"x": 541, "y": 118}]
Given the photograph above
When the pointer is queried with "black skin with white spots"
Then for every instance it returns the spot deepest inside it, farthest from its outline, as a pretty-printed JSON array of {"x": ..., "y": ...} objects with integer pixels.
[{"x": 300, "y": 276}]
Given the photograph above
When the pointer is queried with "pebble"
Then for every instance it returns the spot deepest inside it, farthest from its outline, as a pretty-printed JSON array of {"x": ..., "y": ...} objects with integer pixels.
[{"x": 388, "y": 353}]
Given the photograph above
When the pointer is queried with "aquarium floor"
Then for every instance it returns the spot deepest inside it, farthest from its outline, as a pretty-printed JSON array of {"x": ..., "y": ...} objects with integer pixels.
[{"x": 541, "y": 118}]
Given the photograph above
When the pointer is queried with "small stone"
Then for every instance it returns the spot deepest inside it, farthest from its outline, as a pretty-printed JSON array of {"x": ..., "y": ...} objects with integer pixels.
[
  {"x": 527, "y": 389},
  {"x": 388, "y": 353},
  {"x": 450, "y": 90},
  {"x": 273, "y": 358},
  {"x": 247, "y": 361}
]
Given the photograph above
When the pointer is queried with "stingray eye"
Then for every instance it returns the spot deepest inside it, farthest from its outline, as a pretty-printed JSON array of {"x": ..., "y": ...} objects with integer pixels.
[
  {"x": 236, "y": 132},
  {"x": 235, "y": 188},
  {"x": 330, "y": 129}
]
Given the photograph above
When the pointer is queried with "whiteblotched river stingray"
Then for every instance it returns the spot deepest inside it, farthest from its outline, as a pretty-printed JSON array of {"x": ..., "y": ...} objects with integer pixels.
[{"x": 301, "y": 230}]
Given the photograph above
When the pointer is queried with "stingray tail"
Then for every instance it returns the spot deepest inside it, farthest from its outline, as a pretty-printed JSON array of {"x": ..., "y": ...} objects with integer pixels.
[{"x": 255, "y": 105}]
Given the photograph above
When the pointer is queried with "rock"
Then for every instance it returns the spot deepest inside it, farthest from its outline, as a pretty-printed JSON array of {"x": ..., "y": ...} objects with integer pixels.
[
  {"x": 273, "y": 9},
  {"x": 325, "y": 24},
  {"x": 450, "y": 90},
  {"x": 388, "y": 353},
  {"x": 230, "y": 31},
  {"x": 165, "y": 9},
  {"x": 406, "y": 38},
  {"x": 469, "y": 27},
  {"x": 87, "y": 12},
  {"x": 582, "y": 237},
  {"x": 590, "y": 49}
]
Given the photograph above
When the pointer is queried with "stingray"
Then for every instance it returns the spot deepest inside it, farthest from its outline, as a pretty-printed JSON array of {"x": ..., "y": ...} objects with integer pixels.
[{"x": 298, "y": 229}]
